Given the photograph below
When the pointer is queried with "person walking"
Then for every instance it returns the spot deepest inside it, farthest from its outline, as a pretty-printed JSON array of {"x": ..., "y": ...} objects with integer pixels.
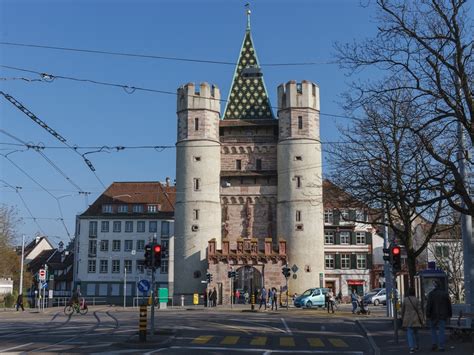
[
  {"x": 438, "y": 310},
  {"x": 246, "y": 297},
  {"x": 274, "y": 298},
  {"x": 412, "y": 319},
  {"x": 19, "y": 303},
  {"x": 237, "y": 296},
  {"x": 263, "y": 298},
  {"x": 354, "y": 300},
  {"x": 331, "y": 300},
  {"x": 214, "y": 297}
]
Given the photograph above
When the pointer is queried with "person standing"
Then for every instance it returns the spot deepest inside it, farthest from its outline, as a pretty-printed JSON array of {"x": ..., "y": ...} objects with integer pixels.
[
  {"x": 263, "y": 298},
  {"x": 214, "y": 297},
  {"x": 412, "y": 319},
  {"x": 274, "y": 298},
  {"x": 19, "y": 303},
  {"x": 237, "y": 296},
  {"x": 330, "y": 295},
  {"x": 209, "y": 298},
  {"x": 438, "y": 310},
  {"x": 354, "y": 300}
]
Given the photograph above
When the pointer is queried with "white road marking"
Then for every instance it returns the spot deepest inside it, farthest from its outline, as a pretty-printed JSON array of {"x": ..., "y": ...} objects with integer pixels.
[
  {"x": 288, "y": 330},
  {"x": 262, "y": 351},
  {"x": 15, "y": 347}
]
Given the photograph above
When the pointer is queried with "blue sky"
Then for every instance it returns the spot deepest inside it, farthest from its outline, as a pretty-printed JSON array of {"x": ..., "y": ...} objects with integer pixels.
[{"x": 89, "y": 115}]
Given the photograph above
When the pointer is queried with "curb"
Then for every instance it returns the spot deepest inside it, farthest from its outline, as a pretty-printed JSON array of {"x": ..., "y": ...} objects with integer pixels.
[
  {"x": 364, "y": 330},
  {"x": 134, "y": 343}
]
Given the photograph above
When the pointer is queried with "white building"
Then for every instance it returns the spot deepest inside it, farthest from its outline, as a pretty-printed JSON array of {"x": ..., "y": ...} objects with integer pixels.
[{"x": 112, "y": 234}]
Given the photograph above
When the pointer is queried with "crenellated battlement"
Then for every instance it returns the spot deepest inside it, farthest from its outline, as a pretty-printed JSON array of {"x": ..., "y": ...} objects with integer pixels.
[
  {"x": 202, "y": 97},
  {"x": 303, "y": 95}
]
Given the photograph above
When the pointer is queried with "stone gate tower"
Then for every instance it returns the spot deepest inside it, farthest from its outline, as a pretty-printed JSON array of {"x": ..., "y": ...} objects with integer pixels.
[{"x": 300, "y": 210}]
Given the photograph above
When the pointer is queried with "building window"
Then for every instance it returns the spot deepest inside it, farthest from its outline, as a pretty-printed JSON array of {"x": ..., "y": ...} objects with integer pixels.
[
  {"x": 360, "y": 238},
  {"x": 92, "y": 247},
  {"x": 91, "y": 265},
  {"x": 196, "y": 184},
  {"x": 128, "y": 226},
  {"x": 345, "y": 261},
  {"x": 115, "y": 266},
  {"x": 196, "y": 123},
  {"x": 137, "y": 208},
  {"x": 196, "y": 215},
  {"x": 197, "y": 158},
  {"x": 123, "y": 209},
  {"x": 117, "y": 226},
  {"x": 104, "y": 245},
  {"x": 329, "y": 261},
  {"x": 140, "y": 266},
  {"x": 298, "y": 216},
  {"x": 93, "y": 229},
  {"x": 116, "y": 245},
  {"x": 298, "y": 182},
  {"x": 361, "y": 261},
  {"x": 152, "y": 209},
  {"x": 152, "y": 226},
  {"x": 104, "y": 266},
  {"x": 107, "y": 209},
  {"x": 299, "y": 227},
  {"x": 345, "y": 237},
  {"x": 361, "y": 216},
  {"x": 140, "y": 245},
  {"x": 298, "y": 158},
  {"x": 164, "y": 267},
  {"x": 328, "y": 217},
  {"x": 128, "y": 245},
  {"x": 258, "y": 164},
  {"x": 165, "y": 228},
  {"x": 328, "y": 237},
  {"x": 165, "y": 247},
  {"x": 344, "y": 217},
  {"x": 238, "y": 164},
  {"x": 300, "y": 122},
  {"x": 141, "y": 226},
  {"x": 127, "y": 265},
  {"x": 104, "y": 226},
  {"x": 194, "y": 228},
  {"x": 441, "y": 251}
]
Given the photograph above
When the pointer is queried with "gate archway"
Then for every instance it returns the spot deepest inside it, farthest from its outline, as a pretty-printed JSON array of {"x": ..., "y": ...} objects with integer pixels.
[{"x": 249, "y": 280}]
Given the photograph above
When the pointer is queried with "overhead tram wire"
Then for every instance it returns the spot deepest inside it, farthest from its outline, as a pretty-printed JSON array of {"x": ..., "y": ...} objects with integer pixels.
[
  {"x": 159, "y": 57},
  {"x": 131, "y": 89}
]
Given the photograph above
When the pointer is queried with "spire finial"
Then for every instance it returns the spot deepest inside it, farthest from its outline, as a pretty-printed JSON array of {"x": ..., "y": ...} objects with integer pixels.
[{"x": 248, "y": 12}]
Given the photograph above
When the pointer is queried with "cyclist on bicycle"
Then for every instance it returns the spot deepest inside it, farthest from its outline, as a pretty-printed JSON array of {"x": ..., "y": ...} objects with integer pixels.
[{"x": 74, "y": 300}]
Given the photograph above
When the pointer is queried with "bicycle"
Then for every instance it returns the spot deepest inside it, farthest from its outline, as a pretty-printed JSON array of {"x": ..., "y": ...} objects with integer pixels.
[{"x": 76, "y": 307}]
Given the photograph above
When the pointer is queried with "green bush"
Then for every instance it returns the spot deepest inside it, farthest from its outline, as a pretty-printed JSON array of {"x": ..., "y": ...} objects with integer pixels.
[{"x": 9, "y": 300}]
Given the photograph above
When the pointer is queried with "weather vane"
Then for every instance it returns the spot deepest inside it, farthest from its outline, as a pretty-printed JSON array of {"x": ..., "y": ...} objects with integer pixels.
[{"x": 247, "y": 6}]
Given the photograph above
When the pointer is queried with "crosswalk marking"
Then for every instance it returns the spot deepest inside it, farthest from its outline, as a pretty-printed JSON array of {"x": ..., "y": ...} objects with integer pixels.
[
  {"x": 259, "y": 341},
  {"x": 202, "y": 339},
  {"x": 315, "y": 342},
  {"x": 287, "y": 341},
  {"x": 338, "y": 343},
  {"x": 230, "y": 340}
]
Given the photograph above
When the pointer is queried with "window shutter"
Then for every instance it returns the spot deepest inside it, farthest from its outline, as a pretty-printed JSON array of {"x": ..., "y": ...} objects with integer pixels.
[
  {"x": 369, "y": 261},
  {"x": 338, "y": 261},
  {"x": 335, "y": 217},
  {"x": 337, "y": 238},
  {"x": 353, "y": 261},
  {"x": 368, "y": 238},
  {"x": 353, "y": 238}
]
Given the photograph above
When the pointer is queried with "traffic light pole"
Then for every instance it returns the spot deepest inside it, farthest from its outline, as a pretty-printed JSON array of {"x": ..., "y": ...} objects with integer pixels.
[
  {"x": 387, "y": 269},
  {"x": 152, "y": 323}
]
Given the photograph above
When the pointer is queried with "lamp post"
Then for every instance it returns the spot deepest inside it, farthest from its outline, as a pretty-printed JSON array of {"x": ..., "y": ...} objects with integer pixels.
[
  {"x": 20, "y": 291},
  {"x": 125, "y": 288}
]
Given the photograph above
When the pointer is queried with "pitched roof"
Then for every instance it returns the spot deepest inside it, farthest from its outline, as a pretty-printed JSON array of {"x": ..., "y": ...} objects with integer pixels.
[
  {"x": 31, "y": 245},
  {"x": 147, "y": 192},
  {"x": 335, "y": 197},
  {"x": 248, "y": 97}
]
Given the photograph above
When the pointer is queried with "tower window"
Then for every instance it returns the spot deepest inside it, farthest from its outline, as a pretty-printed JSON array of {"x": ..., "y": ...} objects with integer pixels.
[
  {"x": 196, "y": 123},
  {"x": 197, "y": 183},
  {"x": 300, "y": 122},
  {"x": 299, "y": 227},
  {"x": 298, "y": 216},
  {"x": 258, "y": 164},
  {"x": 197, "y": 158},
  {"x": 298, "y": 182},
  {"x": 238, "y": 164},
  {"x": 196, "y": 214},
  {"x": 298, "y": 158}
]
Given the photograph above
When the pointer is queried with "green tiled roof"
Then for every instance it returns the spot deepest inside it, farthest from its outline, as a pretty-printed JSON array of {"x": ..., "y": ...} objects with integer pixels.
[{"x": 248, "y": 98}]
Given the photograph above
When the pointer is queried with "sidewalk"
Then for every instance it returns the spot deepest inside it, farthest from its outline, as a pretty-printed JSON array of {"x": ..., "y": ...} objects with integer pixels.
[{"x": 381, "y": 335}]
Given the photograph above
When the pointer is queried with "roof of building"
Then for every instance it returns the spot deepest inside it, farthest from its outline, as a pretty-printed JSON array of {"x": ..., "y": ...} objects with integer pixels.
[
  {"x": 31, "y": 245},
  {"x": 248, "y": 97},
  {"x": 146, "y": 192},
  {"x": 334, "y": 196}
]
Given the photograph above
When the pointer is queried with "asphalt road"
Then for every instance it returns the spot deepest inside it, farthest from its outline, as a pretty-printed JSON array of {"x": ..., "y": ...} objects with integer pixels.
[{"x": 202, "y": 331}]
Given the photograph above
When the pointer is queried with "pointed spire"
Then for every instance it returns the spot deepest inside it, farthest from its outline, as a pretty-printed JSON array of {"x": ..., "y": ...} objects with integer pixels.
[{"x": 248, "y": 12}]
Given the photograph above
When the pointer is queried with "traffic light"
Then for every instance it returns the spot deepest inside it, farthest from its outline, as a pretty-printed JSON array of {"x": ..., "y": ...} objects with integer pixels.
[
  {"x": 386, "y": 254},
  {"x": 285, "y": 270},
  {"x": 157, "y": 255},
  {"x": 209, "y": 277},
  {"x": 148, "y": 256},
  {"x": 396, "y": 256}
]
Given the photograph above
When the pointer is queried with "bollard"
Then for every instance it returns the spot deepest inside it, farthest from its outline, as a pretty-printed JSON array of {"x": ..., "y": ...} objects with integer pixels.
[
  {"x": 142, "y": 323},
  {"x": 182, "y": 300},
  {"x": 253, "y": 302}
]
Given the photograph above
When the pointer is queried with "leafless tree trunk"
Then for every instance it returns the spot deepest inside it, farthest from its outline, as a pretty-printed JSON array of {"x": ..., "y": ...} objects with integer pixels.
[{"x": 423, "y": 48}]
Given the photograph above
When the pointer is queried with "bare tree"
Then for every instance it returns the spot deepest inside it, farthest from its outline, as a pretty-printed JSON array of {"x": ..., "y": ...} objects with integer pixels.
[
  {"x": 424, "y": 48},
  {"x": 382, "y": 165}
]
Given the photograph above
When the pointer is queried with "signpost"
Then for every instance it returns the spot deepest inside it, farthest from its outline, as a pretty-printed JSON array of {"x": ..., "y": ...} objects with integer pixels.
[{"x": 42, "y": 274}]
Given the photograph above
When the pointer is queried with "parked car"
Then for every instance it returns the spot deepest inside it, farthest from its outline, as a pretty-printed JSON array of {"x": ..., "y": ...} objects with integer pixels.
[
  {"x": 311, "y": 298},
  {"x": 377, "y": 296}
]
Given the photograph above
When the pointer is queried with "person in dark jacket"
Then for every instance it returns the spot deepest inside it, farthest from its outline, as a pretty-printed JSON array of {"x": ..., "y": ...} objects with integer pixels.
[
  {"x": 19, "y": 303},
  {"x": 438, "y": 311}
]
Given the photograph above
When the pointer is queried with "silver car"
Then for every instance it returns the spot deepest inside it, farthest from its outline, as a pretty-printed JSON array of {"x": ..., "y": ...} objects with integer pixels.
[{"x": 377, "y": 296}]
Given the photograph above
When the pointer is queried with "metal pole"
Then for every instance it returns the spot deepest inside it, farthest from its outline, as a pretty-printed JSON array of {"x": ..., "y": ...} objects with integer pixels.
[
  {"x": 386, "y": 268},
  {"x": 153, "y": 301},
  {"x": 20, "y": 291},
  {"x": 231, "y": 292},
  {"x": 395, "y": 320},
  {"x": 125, "y": 289}
]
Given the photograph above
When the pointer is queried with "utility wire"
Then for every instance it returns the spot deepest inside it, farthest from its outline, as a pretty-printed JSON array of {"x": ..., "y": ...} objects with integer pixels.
[
  {"x": 131, "y": 89},
  {"x": 159, "y": 57}
]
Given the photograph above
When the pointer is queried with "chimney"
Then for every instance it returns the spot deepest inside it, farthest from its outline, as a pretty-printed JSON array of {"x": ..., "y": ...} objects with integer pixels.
[
  {"x": 168, "y": 182},
  {"x": 38, "y": 238},
  {"x": 60, "y": 247}
]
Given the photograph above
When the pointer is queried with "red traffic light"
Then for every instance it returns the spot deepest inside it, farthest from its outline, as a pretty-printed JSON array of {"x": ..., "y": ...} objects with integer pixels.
[
  {"x": 396, "y": 250},
  {"x": 157, "y": 248}
]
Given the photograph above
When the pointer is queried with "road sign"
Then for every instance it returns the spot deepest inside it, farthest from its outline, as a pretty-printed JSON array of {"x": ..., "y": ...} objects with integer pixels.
[
  {"x": 50, "y": 294},
  {"x": 44, "y": 285},
  {"x": 294, "y": 268},
  {"x": 163, "y": 295},
  {"x": 42, "y": 274},
  {"x": 143, "y": 286}
]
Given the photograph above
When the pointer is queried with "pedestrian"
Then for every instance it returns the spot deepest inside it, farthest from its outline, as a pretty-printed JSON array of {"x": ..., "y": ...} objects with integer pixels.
[
  {"x": 438, "y": 310},
  {"x": 19, "y": 303},
  {"x": 274, "y": 298},
  {"x": 326, "y": 301},
  {"x": 255, "y": 296},
  {"x": 412, "y": 319},
  {"x": 205, "y": 299},
  {"x": 237, "y": 296},
  {"x": 263, "y": 298},
  {"x": 339, "y": 296},
  {"x": 354, "y": 300},
  {"x": 330, "y": 295},
  {"x": 214, "y": 297},
  {"x": 209, "y": 298},
  {"x": 246, "y": 297}
]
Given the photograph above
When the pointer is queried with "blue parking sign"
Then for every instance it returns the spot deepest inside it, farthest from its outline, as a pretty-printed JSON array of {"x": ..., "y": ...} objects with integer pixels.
[{"x": 143, "y": 286}]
